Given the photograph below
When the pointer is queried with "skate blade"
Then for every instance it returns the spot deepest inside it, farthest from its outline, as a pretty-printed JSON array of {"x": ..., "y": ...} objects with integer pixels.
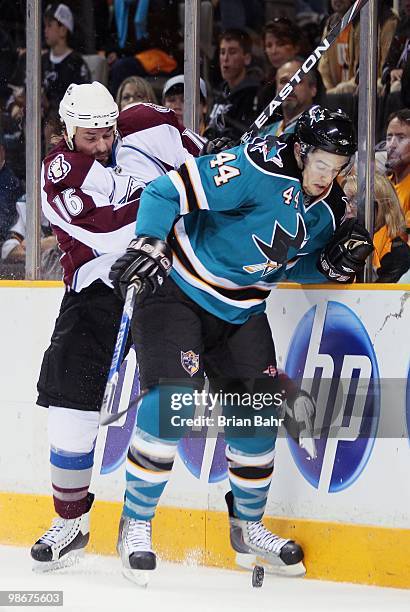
[
  {"x": 69, "y": 560},
  {"x": 249, "y": 561},
  {"x": 138, "y": 577}
]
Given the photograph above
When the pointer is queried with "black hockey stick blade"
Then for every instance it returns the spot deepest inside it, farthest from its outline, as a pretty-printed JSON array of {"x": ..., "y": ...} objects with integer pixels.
[
  {"x": 114, "y": 416},
  {"x": 311, "y": 61}
]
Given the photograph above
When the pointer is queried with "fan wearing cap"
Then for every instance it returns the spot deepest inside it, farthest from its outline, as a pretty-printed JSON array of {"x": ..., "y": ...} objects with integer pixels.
[
  {"x": 60, "y": 65},
  {"x": 173, "y": 98}
]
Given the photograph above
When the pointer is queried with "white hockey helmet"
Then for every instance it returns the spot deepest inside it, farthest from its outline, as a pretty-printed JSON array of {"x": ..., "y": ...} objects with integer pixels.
[{"x": 89, "y": 105}]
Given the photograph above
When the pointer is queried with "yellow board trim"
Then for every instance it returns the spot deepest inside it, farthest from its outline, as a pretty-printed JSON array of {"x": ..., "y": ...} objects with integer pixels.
[
  {"x": 326, "y": 286},
  {"x": 354, "y": 287},
  {"x": 333, "y": 551},
  {"x": 30, "y": 284}
]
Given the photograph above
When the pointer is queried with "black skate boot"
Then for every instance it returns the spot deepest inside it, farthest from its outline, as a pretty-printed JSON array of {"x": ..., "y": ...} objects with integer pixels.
[
  {"x": 135, "y": 549},
  {"x": 63, "y": 543},
  {"x": 256, "y": 545}
]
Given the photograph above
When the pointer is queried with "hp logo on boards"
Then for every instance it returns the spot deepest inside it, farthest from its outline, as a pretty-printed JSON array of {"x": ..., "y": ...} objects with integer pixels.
[{"x": 332, "y": 357}]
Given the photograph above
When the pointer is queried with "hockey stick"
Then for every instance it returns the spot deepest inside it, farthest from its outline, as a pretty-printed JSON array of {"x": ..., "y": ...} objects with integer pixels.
[
  {"x": 111, "y": 417},
  {"x": 106, "y": 415},
  {"x": 311, "y": 61}
]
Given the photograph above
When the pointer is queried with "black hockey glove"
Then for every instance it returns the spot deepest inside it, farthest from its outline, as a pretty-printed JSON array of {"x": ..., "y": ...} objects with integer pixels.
[
  {"x": 346, "y": 253},
  {"x": 148, "y": 260},
  {"x": 212, "y": 147}
]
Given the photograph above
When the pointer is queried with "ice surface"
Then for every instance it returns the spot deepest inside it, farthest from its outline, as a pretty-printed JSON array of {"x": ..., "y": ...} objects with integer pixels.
[{"x": 96, "y": 583}]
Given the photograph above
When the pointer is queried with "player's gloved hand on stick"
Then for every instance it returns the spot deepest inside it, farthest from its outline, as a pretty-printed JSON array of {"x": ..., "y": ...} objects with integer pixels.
[
  {"x": 217, "y": 145},
  {"x": 299, "y": 418},
  {"x": 147, "y": 260},
  {"x": 346, "y": 253}
]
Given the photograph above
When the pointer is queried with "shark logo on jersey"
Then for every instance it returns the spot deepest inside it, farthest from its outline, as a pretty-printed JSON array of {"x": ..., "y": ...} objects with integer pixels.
[
  {"x": 58, "y": 169},
  {"x": 266, "y": 151},
  {"x": 276, "y": 252},
  {"x": 132, "y": 192},
  {"x": 316, "y": 114}
]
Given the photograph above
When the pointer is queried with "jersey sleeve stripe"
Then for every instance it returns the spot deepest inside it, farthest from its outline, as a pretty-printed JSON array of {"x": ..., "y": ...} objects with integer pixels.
[
  {"x": 238, "y": 293},
  {"x": 197, "y": 184},
  {"x": 179, "y": 185},
  {"x": 193, "y": 186},
  {"x": 192, "y": 200},
  {"x": 195, "y": 138}
]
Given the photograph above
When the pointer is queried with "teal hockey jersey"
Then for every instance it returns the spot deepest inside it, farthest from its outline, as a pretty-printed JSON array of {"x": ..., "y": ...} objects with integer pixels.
[{"x": 238, "y": 223}]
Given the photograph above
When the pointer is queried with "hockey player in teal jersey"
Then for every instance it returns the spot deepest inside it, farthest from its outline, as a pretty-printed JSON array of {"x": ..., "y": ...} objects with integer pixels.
[{"x": 212, "y": 240}]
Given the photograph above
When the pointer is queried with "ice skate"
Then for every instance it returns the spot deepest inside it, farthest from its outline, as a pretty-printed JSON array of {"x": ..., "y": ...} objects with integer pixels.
[
  {"x": 135, "y": 549},
  {"x": 256, "y": 545},
  {"x": 63, "y": 544}
]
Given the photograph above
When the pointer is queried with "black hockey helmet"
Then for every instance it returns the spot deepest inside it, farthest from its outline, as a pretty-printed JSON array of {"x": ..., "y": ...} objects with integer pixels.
[{"x": 331, "y": 131}]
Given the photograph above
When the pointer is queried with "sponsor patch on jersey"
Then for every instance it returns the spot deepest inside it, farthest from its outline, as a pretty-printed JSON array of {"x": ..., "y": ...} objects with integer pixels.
[
  {"x": 58, "y": 169},
  {"x": 265, "y": 153},
  {"x": 190, "y": 362}
]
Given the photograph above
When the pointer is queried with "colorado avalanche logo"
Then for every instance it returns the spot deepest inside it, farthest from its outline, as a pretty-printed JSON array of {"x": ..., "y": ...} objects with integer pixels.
[
  {"x": 190, "y": 362},
  {"x": 266, "y": 151},
  {"x": 132, "y": 193},
  {"x": 58, "y": 169}
]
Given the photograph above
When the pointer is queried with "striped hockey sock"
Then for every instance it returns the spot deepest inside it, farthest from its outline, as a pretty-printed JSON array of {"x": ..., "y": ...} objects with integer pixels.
[
  {"x": 149, "y": 466},
  {"x": 250, "y": 477},
  {"x": 71, "y": 477}
]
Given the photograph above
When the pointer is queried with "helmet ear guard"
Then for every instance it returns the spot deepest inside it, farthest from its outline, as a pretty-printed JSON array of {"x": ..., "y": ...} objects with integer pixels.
[{"x": 88, "y": 105}]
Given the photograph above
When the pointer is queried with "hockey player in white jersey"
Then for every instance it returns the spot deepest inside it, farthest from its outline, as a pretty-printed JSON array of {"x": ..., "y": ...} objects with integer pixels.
[{"x": 91, "y": 201}]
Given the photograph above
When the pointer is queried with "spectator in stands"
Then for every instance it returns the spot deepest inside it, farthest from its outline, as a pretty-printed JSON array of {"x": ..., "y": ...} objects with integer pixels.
[
  {"x": 387, "y": 22},
  {"x": 334, "y": 64},
  {"x": 282, "y": 41},
  {"x": 398, "y": 157},
  {"x": 13, "y": 249},
  {"x": 61, "y": 65},
  {"x": 235, "y": 104},
  {"x": 301, "y": 98},
  {"x": 10, "y": 191},
  {"x": 391, "y": 257},
  {"x": 134, "y": 89},
  {"x": 399, "y": 52},
  {"x": 8, "y": 57},
  {"x": 241, "y": 14},
  {"x": 173, "y": 97}
]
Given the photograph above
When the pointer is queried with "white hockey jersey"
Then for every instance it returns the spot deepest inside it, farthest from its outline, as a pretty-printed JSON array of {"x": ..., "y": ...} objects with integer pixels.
[{"x": 91, "y": 208}]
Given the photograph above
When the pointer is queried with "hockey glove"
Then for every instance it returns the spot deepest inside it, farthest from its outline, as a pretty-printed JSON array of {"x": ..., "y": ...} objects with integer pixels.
[
  {"x": 212, "y": 147},
  {"x": 299, "y": 417},
  {"x": 147, "y": 260},
  {"x": 346, "y": 253}
]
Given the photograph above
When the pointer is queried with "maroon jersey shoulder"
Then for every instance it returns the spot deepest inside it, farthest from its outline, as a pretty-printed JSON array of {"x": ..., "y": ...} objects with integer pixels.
[
  {"x": 143, "y": 116},
  {"x": 63, "y": 167}
]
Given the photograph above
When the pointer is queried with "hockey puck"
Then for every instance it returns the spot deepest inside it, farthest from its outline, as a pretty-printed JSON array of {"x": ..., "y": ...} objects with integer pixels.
[{"x": 258, "y": 575}]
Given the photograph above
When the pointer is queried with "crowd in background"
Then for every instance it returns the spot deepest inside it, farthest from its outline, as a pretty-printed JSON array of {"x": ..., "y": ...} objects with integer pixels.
[{"x": 249, "y": 50}]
